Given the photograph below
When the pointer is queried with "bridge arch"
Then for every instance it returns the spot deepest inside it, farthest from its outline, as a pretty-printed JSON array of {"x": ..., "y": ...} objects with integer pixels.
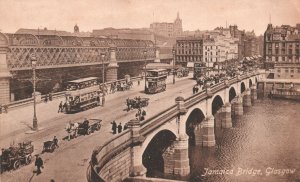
[
  {"x": 232, "y": 94},
  {"x": 243, "y": 87},
  {"x": 250, "y": 83},
  {"x": 216, "y": 104},
  {"x": 152, "y": 157},
  {"x": 193, "y": 122}
]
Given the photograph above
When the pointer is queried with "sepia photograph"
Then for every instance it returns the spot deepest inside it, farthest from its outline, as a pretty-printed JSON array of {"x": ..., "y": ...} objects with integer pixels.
[{"x": 150, "y": 90}]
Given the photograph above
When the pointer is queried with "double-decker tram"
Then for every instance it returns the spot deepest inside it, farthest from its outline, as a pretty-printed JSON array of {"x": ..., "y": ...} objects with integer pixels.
[
  {"x": 156, "y": 81},
  {"x": 199, "y": 70},
  {"x": 82, "y": 94}
]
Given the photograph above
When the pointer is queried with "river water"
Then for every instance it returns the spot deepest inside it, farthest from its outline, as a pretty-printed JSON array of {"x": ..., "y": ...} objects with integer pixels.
[{"x": 262, "y": 145}]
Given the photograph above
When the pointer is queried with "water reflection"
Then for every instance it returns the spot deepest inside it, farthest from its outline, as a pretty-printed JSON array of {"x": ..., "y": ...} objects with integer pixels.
[{"x": 262, "y": 142}]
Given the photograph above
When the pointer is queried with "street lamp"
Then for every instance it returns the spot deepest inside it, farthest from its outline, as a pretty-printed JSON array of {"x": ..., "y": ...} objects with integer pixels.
[
  {"x": 102, "y": 59},
  {"x": 33, "y": 65},
  {"x": 173, "y": 51},
  {"x": 145, "y": 56}
]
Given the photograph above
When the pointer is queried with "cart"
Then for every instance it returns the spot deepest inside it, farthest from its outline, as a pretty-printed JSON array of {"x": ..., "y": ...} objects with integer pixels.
[
  {"x": 89, "y": 126},
  {"x": 137, "y": 103},
  {"x": 15, "y": 156},
  {"x": 49, "y": 146}
]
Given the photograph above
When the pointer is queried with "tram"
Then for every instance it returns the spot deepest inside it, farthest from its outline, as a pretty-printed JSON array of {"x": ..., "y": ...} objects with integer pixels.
[
  {"x": 156, "y": 81},
  {"x": 199, "y": 70},
  {"x": 82, "y": 94}
]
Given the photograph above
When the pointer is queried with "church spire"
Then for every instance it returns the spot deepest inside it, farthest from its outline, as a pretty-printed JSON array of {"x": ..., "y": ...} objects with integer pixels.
[{"x": 178, "y": 15}]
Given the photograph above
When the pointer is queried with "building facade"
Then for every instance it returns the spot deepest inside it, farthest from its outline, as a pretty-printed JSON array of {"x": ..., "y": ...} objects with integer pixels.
[
  {"x": 167, "y": 29},
  {"x": 188, "y": 50},
  {"x": 282, "y": 51}
]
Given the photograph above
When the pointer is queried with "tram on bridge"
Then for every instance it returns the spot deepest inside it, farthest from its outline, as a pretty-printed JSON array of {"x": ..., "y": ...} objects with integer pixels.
[
  {"x": 199, "y": 70},
  {"x": 82, "y": 94},
  {"x": 156, "y": 81}
]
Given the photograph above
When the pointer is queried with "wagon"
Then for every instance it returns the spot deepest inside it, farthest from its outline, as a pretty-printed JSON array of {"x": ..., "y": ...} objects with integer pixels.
[
  {"x": 15, "y": 156},
  {"x": 89, "y": 126},
  {"x": 137, "y": 103},
  {"x": 49, "y": 146}
]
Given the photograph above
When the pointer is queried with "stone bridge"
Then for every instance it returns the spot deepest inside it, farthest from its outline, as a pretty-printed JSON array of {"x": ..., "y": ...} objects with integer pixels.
[
  {"x": 63, "y": 58},
  {"x": 162, "y": 141}
]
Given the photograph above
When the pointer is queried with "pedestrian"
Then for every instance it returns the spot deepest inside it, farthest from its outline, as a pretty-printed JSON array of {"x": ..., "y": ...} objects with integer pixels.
[
  {"x": 50, "y": 96},
  {"x": 46, "y": 98},
  {"x": 120, "y": 128},
  {"x": 125, "y": 127},
  {"x": 39, "y": 164},
  {"x": 55, "y": 142},
  {"x": 114, "y": 127},
  {"x": 138, "y": 81},
  {"x": 64, "y": 107},
  {"x": 194, "y": 90},
  {"x": 69, "y": 130},
  {"x": 60, "y": 107}
]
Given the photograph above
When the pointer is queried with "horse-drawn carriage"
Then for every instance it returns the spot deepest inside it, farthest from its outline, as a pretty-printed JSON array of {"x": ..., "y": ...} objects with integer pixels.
[
  {"x": 15, "y": 156},
  {"x": 122, "y": 86},
  {"x": 136, "y": 103}
]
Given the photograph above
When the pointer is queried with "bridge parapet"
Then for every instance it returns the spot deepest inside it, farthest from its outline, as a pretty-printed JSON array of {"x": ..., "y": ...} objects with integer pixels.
[{"x": 121, "y": 146}]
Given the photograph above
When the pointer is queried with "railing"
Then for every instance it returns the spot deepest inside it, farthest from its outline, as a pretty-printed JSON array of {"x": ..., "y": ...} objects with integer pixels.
[{"x": 109, "y": 149}]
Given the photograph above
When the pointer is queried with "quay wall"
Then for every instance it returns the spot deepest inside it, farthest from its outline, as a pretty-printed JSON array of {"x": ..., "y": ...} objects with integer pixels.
[{"x": 264, "y": 87}]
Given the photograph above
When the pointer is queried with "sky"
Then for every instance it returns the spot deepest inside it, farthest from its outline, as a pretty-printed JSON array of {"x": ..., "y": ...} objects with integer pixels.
[{"x": 195, "y": 14}]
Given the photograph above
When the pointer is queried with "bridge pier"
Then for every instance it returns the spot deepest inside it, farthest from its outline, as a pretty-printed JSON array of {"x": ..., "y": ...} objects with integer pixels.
[
  {"x": 176, "y": 158},
  {"x": 253, "y": 93},
  {"x": 4, "y": 72},
  {"x": 208, "y": 132},
  {"x": 112, "y": 68},
  {"x": 137, "y": 168},
  {"x": 247, "y": 98},
  {"x": 226, "y": 121},
  {"x": 238, "y": 106}
]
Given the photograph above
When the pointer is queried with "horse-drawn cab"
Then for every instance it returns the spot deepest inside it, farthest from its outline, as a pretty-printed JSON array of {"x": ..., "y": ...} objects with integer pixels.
[
  {"x": 15, "y": 156},
  {"x": 136, "y": 103}
]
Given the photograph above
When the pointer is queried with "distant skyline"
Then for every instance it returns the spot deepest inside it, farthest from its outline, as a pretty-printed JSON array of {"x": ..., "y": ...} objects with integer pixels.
[{"x": 97, "y": 14}]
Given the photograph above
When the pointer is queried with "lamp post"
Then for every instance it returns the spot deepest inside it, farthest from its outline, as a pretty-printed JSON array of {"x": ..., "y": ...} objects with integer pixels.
[
  {"x": 145, "y": 56},
  {"x": 33, "y": 65},
  {"x": 173, "y": 51},
  {"x": 102, "y": 59}
]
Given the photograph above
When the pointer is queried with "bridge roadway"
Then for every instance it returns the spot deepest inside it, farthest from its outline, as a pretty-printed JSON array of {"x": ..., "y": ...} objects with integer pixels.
[{"x": 70, "y": 161}]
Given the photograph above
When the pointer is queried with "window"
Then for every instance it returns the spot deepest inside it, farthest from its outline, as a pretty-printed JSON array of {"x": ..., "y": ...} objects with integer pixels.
[
  {"x": 276, "y": 51},
  {"x": 298, "y": 70},
  {"x": 286, "y": 70},
  {"x": 276, "y": 45},
  {"x": 276, "y": 59},
  {"x": 278, "y": 70},
  {"x": 292, "y": 76},
  {"x": 292, "y": 70},
  {"x": 283, "y": 58},
  {"x": 278, "y": 76}
]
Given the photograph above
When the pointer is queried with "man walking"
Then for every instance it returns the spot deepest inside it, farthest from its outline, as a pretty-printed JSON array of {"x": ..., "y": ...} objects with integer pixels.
[
  {"x": 114, "y": 127},
  {"x": 39, "y": 164},
  {"x": 120, "y": 128},
  {"x": 55, "y": 141},
  {"x": 60, "y": 107}
]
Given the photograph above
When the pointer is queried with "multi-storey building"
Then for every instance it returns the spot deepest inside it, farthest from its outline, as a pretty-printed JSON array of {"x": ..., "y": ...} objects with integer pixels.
[
  {"x": 282, "y": 50},
  {"x": 188, "y": 50},
  {"x": 211, "y": 52},
  {"x": 168, "y": 29}
]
